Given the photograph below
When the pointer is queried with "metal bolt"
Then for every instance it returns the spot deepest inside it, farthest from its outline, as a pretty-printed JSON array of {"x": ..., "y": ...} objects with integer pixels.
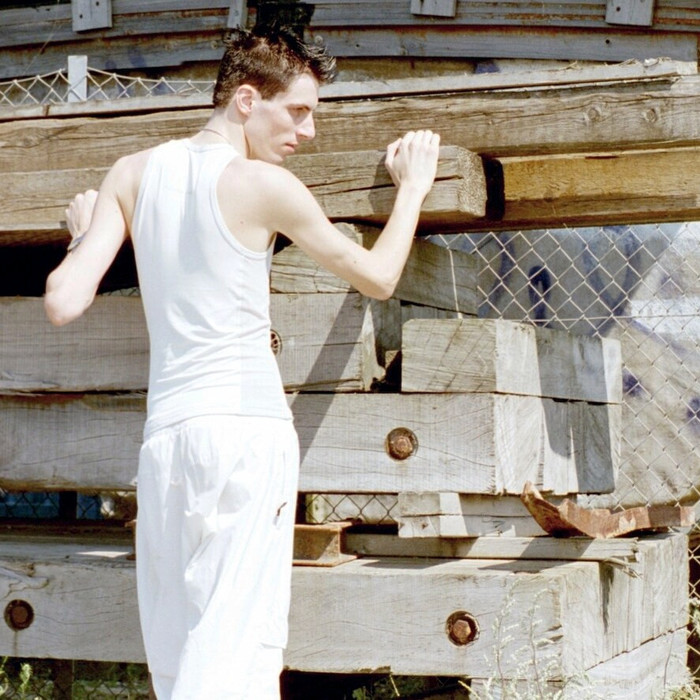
[
  {"x": 401, "y": 443},
  {"x": 461, "y": 628},
  {"x": 19, "y": 614},
  {"x": 275, "y": 342}
]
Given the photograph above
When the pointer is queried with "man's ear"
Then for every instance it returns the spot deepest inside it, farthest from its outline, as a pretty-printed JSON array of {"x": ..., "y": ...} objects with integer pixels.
[{"x": 244, "y": 99}]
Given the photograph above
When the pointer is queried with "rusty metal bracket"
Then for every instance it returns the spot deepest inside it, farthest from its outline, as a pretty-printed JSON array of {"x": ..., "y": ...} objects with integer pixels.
[
  {"x": 569, "y": 519},
  {"x": 321, "y": 545}
]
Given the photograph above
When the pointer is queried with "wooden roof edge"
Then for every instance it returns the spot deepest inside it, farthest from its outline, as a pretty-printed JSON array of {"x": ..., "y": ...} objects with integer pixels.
[{"x": 575, "y": 74}]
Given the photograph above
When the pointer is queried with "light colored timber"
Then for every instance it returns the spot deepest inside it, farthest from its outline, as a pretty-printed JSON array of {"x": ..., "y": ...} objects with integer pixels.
[
  {"x": 525, "y": 192},
  {"x": 352, "y": 185},
  {"x": 470, "y": 443},
  {"x": 324, "y": 342},
  {"x": 622, "y": 551},
  {"x": 461, "y": 515},
  {"x": 433, "y": 275},
  {"x": 607, "y": 187},
  {"x": 652, "y": 670},
  {"x": 77, "y": 590},
  {"x": 477, "y": 355},
  {"x": 460, "y": 526},
  {"x": 661, "y": 68},
  {"x": 529, "y": 121}
]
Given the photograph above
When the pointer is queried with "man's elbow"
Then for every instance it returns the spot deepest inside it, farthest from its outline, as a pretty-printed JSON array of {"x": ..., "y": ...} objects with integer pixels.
[
  {"x": 58, "y": 313},
  {"x": 60, "y": 307},
  {"x": 381, "y": 288}
]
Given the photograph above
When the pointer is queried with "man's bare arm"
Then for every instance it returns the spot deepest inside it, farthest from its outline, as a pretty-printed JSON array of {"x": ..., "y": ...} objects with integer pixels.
[
  {"x": 71, "y": 287},
  {"x": 412, "y": 163}
]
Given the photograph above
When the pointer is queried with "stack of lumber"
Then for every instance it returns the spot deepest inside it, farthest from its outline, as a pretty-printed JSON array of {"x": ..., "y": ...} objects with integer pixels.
[
  {"x": 415, "y": 398},
  {"x": 127, "y": 34}
]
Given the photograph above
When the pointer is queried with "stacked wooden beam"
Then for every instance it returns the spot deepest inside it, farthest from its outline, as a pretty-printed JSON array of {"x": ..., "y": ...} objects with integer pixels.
[
  {"x": 414, "y": 399},
  {"x": 127, "y": 34}
]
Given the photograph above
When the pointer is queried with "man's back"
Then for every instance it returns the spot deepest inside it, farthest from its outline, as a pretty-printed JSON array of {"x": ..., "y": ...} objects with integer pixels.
[{"x": 205, "y": 295}]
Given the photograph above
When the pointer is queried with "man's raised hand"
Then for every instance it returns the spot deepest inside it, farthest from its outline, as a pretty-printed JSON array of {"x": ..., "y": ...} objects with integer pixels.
[
  {"x": 412, "y": 160},
  {"x": 79, "y": 213}
]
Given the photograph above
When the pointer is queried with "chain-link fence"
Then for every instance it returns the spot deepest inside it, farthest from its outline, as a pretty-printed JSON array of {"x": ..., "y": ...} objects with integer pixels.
[
  {"x": 640, "y": 284},
  {"x": 62, "y": 86}
]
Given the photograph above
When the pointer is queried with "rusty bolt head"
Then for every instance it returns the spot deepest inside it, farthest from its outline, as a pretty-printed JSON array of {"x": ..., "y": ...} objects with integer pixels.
[
  {"x": 19, "y": 614},
  {"x": 275, "y": 342},
  {"x": 462, "y": 628},
  {"x": 401, "y": 443}
]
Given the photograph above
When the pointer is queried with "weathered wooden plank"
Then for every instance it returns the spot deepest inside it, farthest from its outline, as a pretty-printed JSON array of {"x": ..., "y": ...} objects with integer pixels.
[
  {"x": 462, "y": 515},
  {"x": 622, "y": 551},
  {"x": 433, "y": 275},
  {"x": 534, "y": 192},
  {"x": 461, "y": 526},
  {"x": 604, "y": 188},
  {"x": 78, "y": 590},
  {"x": 352, "y": 185},
  {"x": 668, "y": 14},
  {"x": 122, "y": 52},
  {"x": 470, "y": 443},
  {"x": 476, "y": 355},
  {"x": 324, "y": 342},
  {"x": 356, "y": 184},
  {"x": 579, "y": 75},
  {"x": 612, "y": 117},
  {"x": 504, "y": 42},
  {"x": 653, "y": 670}
]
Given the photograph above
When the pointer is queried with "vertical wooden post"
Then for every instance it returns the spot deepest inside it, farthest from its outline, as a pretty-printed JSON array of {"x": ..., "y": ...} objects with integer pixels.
[
  {"x": 91, "y": 14},
  {"x": 639, "y": 13},
  {"x": 77, "y": 78},
  {"x": 237, "y": 14},
  {"x": 434, "y": 8}
]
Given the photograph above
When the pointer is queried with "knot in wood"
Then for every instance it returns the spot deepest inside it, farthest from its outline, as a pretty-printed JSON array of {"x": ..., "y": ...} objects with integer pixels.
[
  {"x": 19, "y": 614},
  {"x": 401, "y": 443},
  {"x": 462, "y": 628}
]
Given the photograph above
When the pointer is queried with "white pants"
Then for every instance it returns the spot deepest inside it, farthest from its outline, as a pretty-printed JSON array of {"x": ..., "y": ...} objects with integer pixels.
[{"x": 214, "y": 538}]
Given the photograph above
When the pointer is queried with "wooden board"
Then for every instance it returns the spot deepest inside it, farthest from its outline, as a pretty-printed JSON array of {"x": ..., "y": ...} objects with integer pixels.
[
  {"x": 433, "y": 275},
  {"x": 623, "y": 552},
  {"x": 669, "y": 14},
  {"x": 78, "y": 590},
  {"x": 461, "y": 515},
  {"x": 476, "y": 355},
  {"x": 325, "y": 342},
  {"x": 653, "y": 670},
  {"x": 437, "y": 82},
  {"x": 470, "y": 443},
  {"x": 352, "y": 185},
  {"x": 605, "y": 188},
  {"x": 498, "y": 123},
  {"x": 526, "y": 192},
  {"x": 503, "y": 42}
]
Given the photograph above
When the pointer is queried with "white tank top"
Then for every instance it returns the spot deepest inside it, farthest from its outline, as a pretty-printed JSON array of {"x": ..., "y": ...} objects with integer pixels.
[{"x": 206, "y": 296}]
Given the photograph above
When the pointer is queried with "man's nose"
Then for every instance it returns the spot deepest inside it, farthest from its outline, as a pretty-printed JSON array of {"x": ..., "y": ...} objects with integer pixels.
[{"x": 307, "y": 129}]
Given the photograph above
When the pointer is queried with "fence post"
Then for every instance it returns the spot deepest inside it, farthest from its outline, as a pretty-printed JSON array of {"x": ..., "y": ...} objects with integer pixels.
[{"x": 77, "y": 78}]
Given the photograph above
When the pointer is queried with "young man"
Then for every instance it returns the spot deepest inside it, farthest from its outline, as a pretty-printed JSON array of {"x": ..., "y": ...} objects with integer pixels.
[{"x": 218, "y": 467}]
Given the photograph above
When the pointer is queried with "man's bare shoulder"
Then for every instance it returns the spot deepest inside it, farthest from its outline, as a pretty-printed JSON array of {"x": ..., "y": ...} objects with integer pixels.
[
  {"x": 258, "y": 172},
  {"x": 131, "y": 166}
]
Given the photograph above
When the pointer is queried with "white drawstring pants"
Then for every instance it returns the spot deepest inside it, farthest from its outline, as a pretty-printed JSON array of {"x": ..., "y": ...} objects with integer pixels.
[{"x": 214, "y": 539}]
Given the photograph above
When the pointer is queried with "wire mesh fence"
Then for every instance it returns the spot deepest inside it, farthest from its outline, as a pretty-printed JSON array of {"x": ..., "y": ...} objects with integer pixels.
[
  {"x": 639, "y": 284},
  {"x": 60, "y": 87}
]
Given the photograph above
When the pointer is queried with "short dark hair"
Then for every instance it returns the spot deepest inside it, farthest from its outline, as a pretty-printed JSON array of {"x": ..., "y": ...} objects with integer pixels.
[{"x": 268, "y": 58}]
